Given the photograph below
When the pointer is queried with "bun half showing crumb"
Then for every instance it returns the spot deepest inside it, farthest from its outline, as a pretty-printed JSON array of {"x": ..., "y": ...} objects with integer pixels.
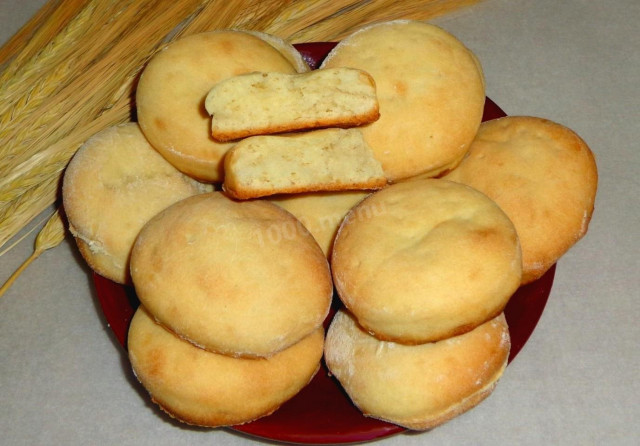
[
  {"x": 319, "y": 160},
  {"x": 264, "y": 103}
]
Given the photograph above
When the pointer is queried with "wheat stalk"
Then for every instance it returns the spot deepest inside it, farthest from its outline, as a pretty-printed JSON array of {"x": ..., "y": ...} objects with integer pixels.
[
  {"x": 38, "y": 32},
  {"x": 17, "y": 44},
  {"x": 51, "y": 235},
  {"x": 65, "y": 18}
]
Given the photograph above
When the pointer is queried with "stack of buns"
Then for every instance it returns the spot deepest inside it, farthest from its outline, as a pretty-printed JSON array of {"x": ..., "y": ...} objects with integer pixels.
[{"x": 262, "y": 188}]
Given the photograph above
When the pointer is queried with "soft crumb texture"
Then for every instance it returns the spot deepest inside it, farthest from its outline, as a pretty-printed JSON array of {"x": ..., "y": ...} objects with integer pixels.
[
  {"x": 427, "y": 259},
  {"x": 544, "y": 177},
  {"x": 238, "y": 278},
  {"x": 173, "y": 86},
  {"x": 114, "y": 184},
  {"x": 430, "y": 89},
  {"x": 207, "y": 389},
  {"x": 319, "y": 160},
  {"x": 421, "y": 386},
  {"x": 266, "y": 103},
  {"x": 321, "y": 212}
]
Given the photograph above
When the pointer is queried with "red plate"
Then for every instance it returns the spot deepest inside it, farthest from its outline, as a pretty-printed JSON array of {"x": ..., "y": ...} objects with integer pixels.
[{"x": 322, "y": 413}]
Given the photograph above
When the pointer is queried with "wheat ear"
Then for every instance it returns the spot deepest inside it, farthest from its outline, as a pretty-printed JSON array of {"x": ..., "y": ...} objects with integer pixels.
[{"x": 50, "y": 236}]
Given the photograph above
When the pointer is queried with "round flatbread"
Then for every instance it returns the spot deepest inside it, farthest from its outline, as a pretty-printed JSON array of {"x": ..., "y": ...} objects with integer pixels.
[
  {"x": 543, "y": 176},
  {"x": 207, "y": 389},
  {"x": 239, "y": 278},
  {"x": 424, "y": 260},
  {"x": 430, "y": 89},
  {"x": 418, "y": 386},
  {"x": 114, "y": 184}
]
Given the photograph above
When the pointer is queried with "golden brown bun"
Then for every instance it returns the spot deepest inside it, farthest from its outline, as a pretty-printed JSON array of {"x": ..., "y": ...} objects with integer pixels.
[
  {"x": 172, "y": 88},
  {"x": 431, "y": 93},
  {"x": 424, "y": 260},
  {"x": 543, "y": 176},
  {"x": 207, "y": 389},
  {"x": 113, "y": 185},
  {"x": 239, "y": 278},
  {"x": 320, "y": 160},
  {"x": 422, "y": 386},
  {"x": 262, "y": 103},
  {"x": 320, "y": 212}
]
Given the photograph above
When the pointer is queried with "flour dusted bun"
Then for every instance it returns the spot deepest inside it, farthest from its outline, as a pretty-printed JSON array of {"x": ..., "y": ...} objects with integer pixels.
[
  {"x": 321, "y": 212},
  {"x": 238, "y": 278},
  {"x": 424, "y": 260},
  {"x": 172, "y": 88},
  {"x": 320, "y": 160},
  {"x": 422, "y": 386},
  {"x": 263, "y": 103},
  {"x": 431, "y": 93},
  {"x": 207, "y": 389},
  {"x": 543, "y": 176},
  {"x": 113, "y": 185}
]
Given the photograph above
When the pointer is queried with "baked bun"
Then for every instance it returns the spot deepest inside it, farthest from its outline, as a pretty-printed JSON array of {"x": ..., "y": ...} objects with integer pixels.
[
  {"x": 113, "y": 185},
  {"x": 320, "y": 212},
  {"x": 207, "y": 389},
  {"x": 172, "y": 88},
  {"x": 543, "y": 176},
  {"x": 238, "y": 278},
  {"x": 320, "y": 160},
  {"x": 424, "y": 260},
  {"x": 262, "y": 103},
  {"x": 420, "y": 386},
  {"x": 430, "y": 89}
]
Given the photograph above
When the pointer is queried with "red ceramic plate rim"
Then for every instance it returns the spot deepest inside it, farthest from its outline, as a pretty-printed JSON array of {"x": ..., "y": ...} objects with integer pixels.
[{"x": 322, "y": 413}]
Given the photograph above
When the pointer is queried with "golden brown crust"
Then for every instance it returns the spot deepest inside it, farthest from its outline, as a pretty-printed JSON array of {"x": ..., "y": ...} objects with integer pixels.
[
  {"x": 207, "y": 389},
  {"x": 371, "y": 185},
  {"x": 418, "y": 387},
  {"x": 172, "y": 88},
  {"x": 431, "y": 93},
  {"x": 239, "y": 278},
  {"x": 114, "y": 184},
  {"x": 544, "y": 177},
  {"x": 423, "y": 260}
]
